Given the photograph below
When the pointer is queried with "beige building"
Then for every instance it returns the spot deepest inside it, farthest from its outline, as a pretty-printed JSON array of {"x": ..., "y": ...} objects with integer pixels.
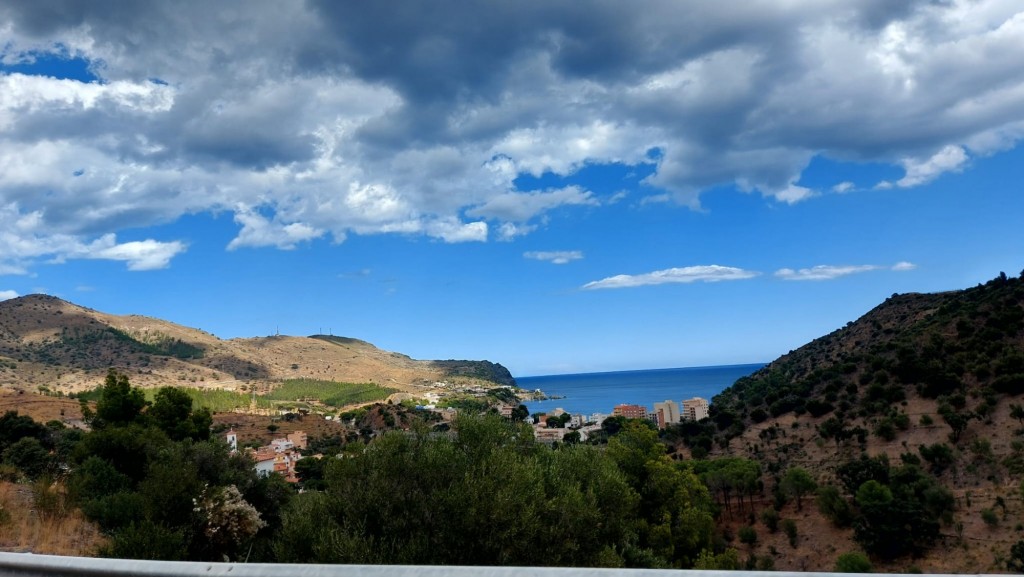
[
  {"x": 695, "y": 409},
  {"x": 666, "y": 413}
]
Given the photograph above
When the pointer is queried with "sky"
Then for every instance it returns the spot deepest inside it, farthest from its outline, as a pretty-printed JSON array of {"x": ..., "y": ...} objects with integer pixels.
[{"x": 556, "y": 186}]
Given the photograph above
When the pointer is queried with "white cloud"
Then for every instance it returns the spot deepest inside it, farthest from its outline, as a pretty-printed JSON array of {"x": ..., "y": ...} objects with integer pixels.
[
  {"x": 258, "y": 230},
  {"x": 453, "y": 230},
  {"x": 843, "y": 187},
  {"x": 829, "y": 272},
  {"x": 521, "y": 207},
  {"x": 338, "y": 121},
  {"x": 793, "y": 194},
  {"x": 8, "y": 295},
  {"x": 822, "y": 272},
  {"x": 710, "y": 273},
  {"x": 555, "y": 256},
  {"x": 950, "y": 159},
  {"x": 140, "y": 255}
]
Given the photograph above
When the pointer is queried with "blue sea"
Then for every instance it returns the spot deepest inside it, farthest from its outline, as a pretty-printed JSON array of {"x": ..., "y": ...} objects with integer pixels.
[{"x": 599, "y": 392}]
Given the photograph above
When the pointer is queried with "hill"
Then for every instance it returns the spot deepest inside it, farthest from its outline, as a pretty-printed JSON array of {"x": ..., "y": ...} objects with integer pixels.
[
  {"x": 929, "y": 382},
  {"x": 62, "y": 347}
]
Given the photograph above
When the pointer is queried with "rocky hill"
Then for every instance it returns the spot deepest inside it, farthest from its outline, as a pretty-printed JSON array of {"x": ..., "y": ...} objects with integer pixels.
[
  {"x": 48, "y": 342},
  {"x": 928, "y": 383}
]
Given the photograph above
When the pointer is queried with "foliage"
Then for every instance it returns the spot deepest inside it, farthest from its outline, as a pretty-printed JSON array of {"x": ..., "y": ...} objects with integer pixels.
[
  {"x": 331, "y": 393},
  {"x": 936, "y": 344},
  {"x": 729, "y": 478},
  {"x": 475, "y": 497},
  {"x": 119, "y": 403},
  {"x": 161, "y": 490},
  {"x": 989, "y": 517},
  {"x": 853, "y": 562},
  {"x": 747, "y": 535},
  {"x": 770, "y": 518},
  {"x": 728, "y": 560},
  {"x": 1015, "y": 562},
  {"x": 789, "y": 528},
  {"x": 14, "y": 427},
  {"x": 796, "y": 483},
  {"x": 939, "y": 455},
  {"x": 834, "y": 507},
  {"x": 902, "y": 517},
  {"x": 172, "y": 413},
  {"x": 853, "y": 474},
  {"x": 29, "y": 456}
]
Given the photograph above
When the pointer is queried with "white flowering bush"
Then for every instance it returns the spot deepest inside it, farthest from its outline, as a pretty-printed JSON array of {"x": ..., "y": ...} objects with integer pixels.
[{"x": 229, "y": 520}]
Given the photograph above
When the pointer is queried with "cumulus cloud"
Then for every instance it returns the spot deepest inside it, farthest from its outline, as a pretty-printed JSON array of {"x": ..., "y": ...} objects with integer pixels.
[
  {"x": 8, "y": 295},
  {"x": 555, "y": 256},
  {"x": 139, "y": 255},
  {"x": 829, "y": 272},
  {"x": 709, "y": 273},
  {"x": 325, "y": 119},
  {"x": 23, "y": 240}
]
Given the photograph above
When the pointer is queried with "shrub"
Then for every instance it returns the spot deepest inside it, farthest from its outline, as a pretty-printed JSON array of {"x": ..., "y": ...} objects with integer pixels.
[
  {"x": 989, "y": 517},
  {"x": 789, "y": 528},
  {"x": 770, "y": 518},
  {"x": 853, "y": 562},
  {"x": 833, "y": 506},
  {"x": 747, "y": 535}
]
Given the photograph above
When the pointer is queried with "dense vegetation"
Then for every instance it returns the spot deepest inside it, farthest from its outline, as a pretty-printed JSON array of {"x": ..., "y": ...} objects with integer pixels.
[
  {"x": 489, "y": 494},
  {"x": 330, "y": 393},
  {"x": 940, "y": 346}
]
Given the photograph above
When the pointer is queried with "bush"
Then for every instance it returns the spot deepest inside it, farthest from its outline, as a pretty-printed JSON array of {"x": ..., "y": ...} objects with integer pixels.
[
  {"x": 770, "y": 518},
  {"x": 789, "y": 528},
  {"x": 747, "y": 535},
  {"x": 989, "y": 517},
  {"x": 833, "y": 506},
  {"x": 853, "y": 562}
]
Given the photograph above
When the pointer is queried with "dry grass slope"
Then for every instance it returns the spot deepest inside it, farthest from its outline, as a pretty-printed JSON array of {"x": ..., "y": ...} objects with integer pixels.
[{"x": 48, "y": 342}]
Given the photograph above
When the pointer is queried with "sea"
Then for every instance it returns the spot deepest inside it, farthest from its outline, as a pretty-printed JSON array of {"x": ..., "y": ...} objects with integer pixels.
[{"x": 591, "y": 393}]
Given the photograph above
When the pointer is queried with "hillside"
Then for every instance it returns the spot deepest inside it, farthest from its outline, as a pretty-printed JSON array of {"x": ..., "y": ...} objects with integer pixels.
[
  {"x": 932, "y": 381},
  {"x": 48, "y": 342}
]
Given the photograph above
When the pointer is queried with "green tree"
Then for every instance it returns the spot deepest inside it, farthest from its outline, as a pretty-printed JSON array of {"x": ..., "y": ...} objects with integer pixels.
[
  {"x": 956, "y": 419},
  {"x": 119, "y": 403},
  {"x": 172, "y": 413},
  {"x": 833, "y": 506},
  {"x": 14, "y": 427},
  {"x": 29, "y": 456},
  {"x": 478, "y": 497},
  {"x": 520, "y": 413},
  {"x": 796, "y": 483}
]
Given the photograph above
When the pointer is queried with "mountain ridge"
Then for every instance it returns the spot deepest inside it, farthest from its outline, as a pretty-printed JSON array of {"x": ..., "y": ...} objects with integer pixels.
[
  {"x": 48, "y": 342},
  {"x": 926, "y": 382}
]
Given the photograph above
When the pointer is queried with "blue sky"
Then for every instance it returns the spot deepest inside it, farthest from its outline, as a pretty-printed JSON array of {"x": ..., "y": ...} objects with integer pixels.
[{"x": 570, "y": 188}]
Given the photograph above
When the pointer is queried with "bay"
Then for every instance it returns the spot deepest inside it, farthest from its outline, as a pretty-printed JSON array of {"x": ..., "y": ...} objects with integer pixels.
[{"x": 590, "y": 393}]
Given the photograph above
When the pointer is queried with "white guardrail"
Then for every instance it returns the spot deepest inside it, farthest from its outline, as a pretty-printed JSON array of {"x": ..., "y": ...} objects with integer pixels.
[{"x": 29, "y": 565}]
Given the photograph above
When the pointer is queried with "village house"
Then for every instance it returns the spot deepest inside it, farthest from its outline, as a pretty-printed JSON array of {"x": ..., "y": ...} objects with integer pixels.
[{"x": 280, "y": 456}]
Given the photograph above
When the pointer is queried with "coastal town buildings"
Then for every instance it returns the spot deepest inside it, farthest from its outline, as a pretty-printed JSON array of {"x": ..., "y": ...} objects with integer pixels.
[
  {"x": 695, "y": 409},
  {"x": 666, "y": 413},
  {"x": 630, "y": 411}
]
